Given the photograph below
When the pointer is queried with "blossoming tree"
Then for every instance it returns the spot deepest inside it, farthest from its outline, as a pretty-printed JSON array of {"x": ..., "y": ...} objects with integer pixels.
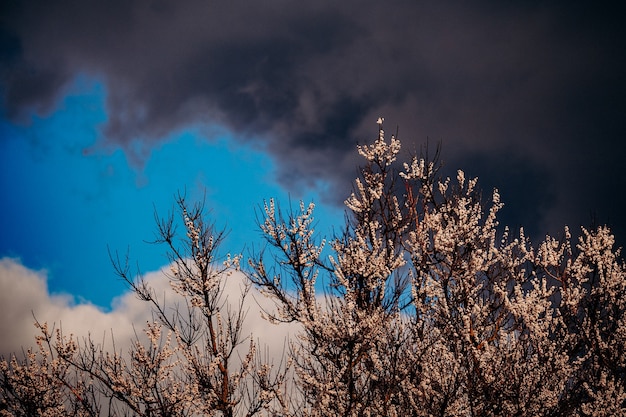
[
  {"x": 424, "y": 305},
  {"x": 432, "y": 309}
]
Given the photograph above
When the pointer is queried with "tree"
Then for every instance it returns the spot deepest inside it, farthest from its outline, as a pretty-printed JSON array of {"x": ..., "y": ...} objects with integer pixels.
[
  {"x": 431, "y": 309},
  {"x": 201, "y": 366},
  {"x": 423, "y": 305}
]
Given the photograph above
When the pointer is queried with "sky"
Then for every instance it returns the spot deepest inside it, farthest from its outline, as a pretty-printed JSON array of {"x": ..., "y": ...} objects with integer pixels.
[{"x": 108, "y": 109}]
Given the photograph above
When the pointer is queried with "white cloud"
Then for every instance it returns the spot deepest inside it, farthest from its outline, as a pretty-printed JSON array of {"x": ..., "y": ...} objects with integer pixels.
[{"x": 24, "y": 292}]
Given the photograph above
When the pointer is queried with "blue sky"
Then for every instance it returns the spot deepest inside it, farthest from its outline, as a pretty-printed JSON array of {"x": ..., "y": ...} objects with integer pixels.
[{"x": 67, "y": 198}]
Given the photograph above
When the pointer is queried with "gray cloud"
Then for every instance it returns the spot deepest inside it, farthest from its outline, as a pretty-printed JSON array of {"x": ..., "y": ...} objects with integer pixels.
[
  {"x": 538, "y": 84},
  {"x": 24, "y": 294}
]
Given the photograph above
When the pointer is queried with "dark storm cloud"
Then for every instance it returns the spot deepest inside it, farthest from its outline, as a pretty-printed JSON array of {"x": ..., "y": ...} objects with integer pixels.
[{"x": 532, "y": 96}]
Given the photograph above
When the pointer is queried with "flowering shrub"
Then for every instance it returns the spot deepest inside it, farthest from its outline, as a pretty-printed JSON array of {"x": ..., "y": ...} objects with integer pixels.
[{"x": 425, "y": 306}]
